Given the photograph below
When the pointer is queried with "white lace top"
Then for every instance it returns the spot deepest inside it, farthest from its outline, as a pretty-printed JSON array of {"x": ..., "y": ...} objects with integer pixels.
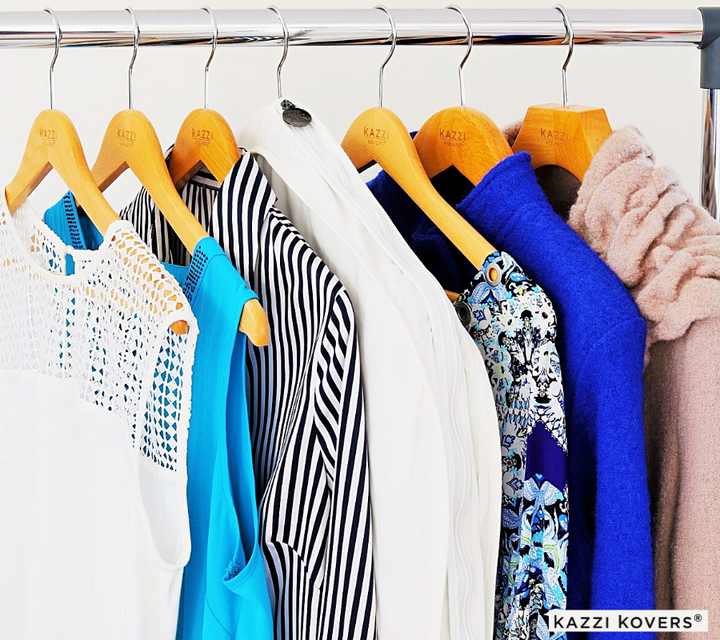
[{"x": 94, "y": 412}]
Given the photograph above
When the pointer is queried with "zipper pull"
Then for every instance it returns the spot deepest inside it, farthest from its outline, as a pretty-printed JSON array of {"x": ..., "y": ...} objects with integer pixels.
[{"x": 294, "y": 116}]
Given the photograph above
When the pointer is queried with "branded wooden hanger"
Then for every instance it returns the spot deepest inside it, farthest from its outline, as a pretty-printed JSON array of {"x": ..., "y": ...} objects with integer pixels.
[
  {"x": 131, "y": 142},
  {"x": 205, "y": 137},
  {"x": 378, "y": 135},
  {"x": 563, "y": 135},
  {"x": 461, "y": 137},
  {"x": 53, "y": 143}
]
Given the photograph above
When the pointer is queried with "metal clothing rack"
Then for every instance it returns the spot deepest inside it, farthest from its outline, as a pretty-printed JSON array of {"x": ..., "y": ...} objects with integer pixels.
[{"x": 334, "y": 27}]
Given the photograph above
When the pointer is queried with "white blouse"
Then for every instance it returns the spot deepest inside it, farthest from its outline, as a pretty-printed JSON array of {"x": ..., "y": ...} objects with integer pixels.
[{"x": 94, "y": 410}]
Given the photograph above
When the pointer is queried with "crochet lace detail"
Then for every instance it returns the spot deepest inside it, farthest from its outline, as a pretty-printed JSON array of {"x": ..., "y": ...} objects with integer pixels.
[{"x": 107, "y": 327}]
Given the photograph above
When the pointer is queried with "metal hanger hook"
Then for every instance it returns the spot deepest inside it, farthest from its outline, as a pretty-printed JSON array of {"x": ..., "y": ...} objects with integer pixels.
[
  {"x": 136, "y": 44},
  {"x": 393, "y": 35},
  {"x": 470, "y": 37},
  {"x": 209, "y": 11},
  {"x": 570, "y": 38},
  {"x": 286, "y": 46},
  {"x": 58, "y": 37}
]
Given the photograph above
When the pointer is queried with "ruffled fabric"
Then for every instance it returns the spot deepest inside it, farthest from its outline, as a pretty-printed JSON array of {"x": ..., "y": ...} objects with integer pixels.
[
  {"x": 666, "y": 250},
  {"x": 644, "y": 225}
]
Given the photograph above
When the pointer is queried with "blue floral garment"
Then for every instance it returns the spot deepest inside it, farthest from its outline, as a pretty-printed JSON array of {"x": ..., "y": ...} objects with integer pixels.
[{"x": 514, "y": 325}]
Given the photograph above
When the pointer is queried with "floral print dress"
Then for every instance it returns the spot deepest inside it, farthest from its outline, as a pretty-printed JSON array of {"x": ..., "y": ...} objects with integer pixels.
[{"x": 514, "y": 325}]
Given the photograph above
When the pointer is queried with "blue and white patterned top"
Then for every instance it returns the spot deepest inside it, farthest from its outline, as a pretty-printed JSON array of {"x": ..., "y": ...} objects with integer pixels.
[{"x": 513, "y": 323}]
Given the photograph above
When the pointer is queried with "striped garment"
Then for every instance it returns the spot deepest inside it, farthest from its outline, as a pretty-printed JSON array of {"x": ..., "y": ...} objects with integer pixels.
[{"x": 305, "y": 405}]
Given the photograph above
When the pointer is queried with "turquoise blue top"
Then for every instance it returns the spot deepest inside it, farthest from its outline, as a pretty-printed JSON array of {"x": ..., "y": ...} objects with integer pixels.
[{"x": 224, "y": 593}]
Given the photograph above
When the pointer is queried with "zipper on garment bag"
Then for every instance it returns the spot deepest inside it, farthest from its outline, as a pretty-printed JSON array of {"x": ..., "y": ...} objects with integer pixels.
[{"x": 462, "y": 457}]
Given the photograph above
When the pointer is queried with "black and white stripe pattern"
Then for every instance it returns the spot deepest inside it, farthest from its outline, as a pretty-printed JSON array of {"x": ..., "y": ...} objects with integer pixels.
[{"x": 305, "y": 407}]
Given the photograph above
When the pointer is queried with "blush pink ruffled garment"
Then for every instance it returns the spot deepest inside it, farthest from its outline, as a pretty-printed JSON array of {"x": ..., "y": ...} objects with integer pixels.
[{"x": 666, "y": 250}]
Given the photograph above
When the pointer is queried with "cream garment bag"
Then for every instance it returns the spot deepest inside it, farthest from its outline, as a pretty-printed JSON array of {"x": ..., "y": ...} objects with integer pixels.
[{"x": 433, "y": 438}]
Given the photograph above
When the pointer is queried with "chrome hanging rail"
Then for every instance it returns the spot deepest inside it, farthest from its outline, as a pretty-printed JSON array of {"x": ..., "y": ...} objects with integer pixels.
[
  {"x": 352, "y": 27},
  {"x": 334, "y": 27}
]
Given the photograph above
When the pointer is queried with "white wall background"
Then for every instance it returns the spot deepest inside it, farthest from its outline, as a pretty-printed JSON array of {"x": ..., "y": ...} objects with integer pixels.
[{"x": 654, "y": 88}]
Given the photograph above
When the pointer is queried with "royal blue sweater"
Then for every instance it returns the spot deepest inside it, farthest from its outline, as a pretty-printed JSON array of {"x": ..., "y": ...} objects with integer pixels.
[{"x": 601, "y": 343}]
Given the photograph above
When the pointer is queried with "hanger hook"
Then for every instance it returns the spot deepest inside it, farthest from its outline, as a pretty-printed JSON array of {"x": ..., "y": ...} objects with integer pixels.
[
  {"x": 209, "y": 11},
  {"x": 136, "y": 44},
  {"x": 470, "y": 38},
  {"x": 393, "y": 31},
  {"x": 570, "y": 37},
  {"x": 286, "y": 45},
  {"x": 58, "y": 37}
]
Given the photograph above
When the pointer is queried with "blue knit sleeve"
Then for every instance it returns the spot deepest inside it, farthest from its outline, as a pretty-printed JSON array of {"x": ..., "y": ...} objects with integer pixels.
[{"x": 619, "y": 573}]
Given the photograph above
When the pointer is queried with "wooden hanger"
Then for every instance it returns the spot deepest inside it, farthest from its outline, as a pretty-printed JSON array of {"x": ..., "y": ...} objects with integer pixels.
[
  {"x": 461, "y": 137},
  {"x": 53, "y": 143},
  {"x": 378, "y": 135},
  {"x": 131, "y": 142},
  {"x": 205, "y": 137},
  {"x": 567, "y": 137},
  {"x": 563, "y": 135}
]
